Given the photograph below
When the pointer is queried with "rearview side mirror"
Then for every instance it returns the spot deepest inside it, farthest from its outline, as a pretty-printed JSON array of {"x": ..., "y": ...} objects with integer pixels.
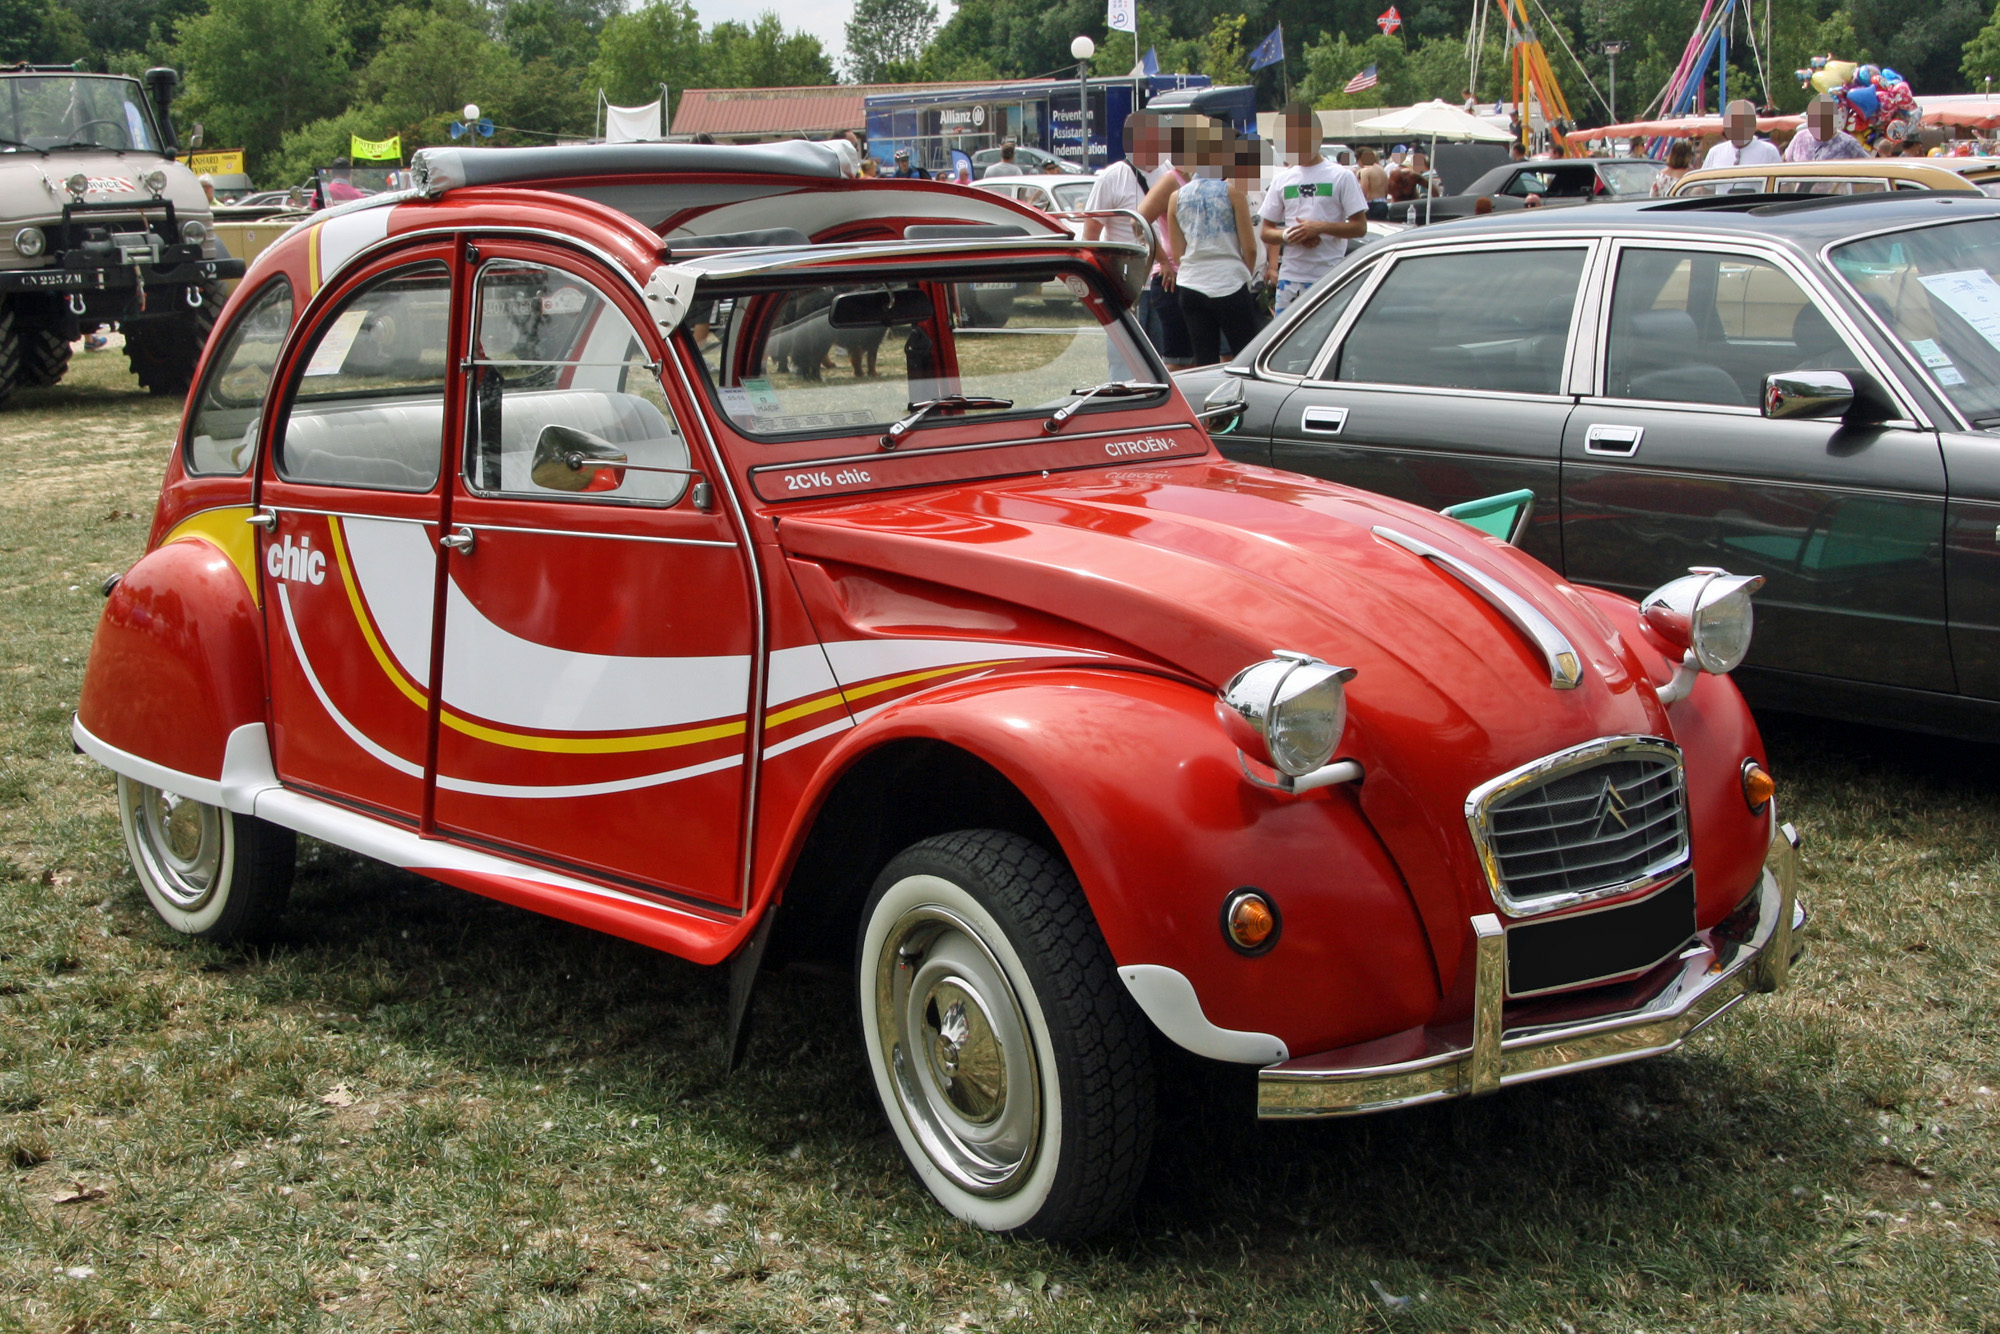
[
  {"x": 1851, "y": 394},
  {"x": 567, "y": 459},
  {"x": 877, "y": 310}
]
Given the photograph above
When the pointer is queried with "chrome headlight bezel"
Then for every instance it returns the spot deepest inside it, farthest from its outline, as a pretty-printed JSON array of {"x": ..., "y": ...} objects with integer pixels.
[
  {"x": 1706, "y": 613},
  {"x": 155, "y": 181},
  {"x": 30, "y": 242},
  {"x": 194, "y": 231},
  {"x": 1288, "y": 711}
]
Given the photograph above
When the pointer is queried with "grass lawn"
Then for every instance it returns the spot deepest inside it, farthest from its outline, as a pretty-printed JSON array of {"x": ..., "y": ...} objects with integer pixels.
[{"x": 419, "y": 1109}]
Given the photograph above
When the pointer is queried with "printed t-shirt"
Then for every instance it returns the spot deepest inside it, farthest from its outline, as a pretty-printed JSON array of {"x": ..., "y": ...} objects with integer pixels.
[{"x": 1312, "y": 192}]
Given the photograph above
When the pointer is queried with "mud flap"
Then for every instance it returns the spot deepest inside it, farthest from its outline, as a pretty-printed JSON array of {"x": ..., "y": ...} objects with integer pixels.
[{"x": 743, "y": 966}]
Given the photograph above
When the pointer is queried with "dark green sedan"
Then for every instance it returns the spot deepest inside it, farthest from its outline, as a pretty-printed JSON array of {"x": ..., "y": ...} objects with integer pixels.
[{"x": 1806, "y": 389}]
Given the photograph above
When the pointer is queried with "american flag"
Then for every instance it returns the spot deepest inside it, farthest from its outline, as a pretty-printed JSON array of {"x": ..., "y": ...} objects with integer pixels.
[{"x": 1364, "y": 80}]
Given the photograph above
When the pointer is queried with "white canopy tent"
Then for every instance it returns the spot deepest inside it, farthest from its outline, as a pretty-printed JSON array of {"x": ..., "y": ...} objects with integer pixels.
[{"x": 1435, "y": 120}]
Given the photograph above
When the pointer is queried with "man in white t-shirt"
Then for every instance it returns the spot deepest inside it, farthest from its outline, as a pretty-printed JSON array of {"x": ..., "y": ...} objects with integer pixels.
[
  {"x": 1313, "y": 208},
  {"x": 1127, "y": 184},
  {"x": 1742, "y": 148}
]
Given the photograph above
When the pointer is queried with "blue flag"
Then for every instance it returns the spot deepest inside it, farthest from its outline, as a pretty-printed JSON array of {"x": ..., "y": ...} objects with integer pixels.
[
  {"x": 1269, "y": 51},
  {"x": 1151, "y": 64}
]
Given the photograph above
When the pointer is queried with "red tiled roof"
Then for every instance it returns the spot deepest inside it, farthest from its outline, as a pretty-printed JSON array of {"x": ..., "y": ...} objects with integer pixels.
[{"x": 823, "y": 110}]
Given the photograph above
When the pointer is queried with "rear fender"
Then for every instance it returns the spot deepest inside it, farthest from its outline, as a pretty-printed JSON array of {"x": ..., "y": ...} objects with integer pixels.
[
  {"x": 177, "y": 665},
  {"x": 1135, "y": 781}
]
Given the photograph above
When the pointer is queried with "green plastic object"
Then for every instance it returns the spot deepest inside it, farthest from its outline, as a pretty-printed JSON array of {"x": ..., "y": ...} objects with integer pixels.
[{"x": 1502, "y": 516}]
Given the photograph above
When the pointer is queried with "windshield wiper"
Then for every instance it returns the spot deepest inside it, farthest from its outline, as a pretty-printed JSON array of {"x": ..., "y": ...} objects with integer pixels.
[
  {"x": 16, "y": 143},
  {"x": 1109, "y": 389},
  {"x": 918, "y": 411}
]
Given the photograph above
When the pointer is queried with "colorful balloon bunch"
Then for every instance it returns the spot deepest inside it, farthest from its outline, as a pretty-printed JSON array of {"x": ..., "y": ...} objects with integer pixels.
[{"x": 1873, "y": 101}]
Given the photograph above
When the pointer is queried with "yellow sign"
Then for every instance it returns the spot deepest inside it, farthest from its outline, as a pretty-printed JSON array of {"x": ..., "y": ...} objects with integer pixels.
[
  {"x": 221, "y": 162},
  {"x": 375, "y": 150}
]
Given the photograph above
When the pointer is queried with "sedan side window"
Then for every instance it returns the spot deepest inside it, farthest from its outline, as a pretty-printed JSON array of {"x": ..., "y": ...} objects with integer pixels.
[
  {"x": 369, "y": 409},
  {"x": 565, "y": 401},
  {"x": 1300, "y": 348},
  {"x": 1474, "y": 319},
  {"x": 1705, "y": 327},
  {"x": 222, "y": 437}
]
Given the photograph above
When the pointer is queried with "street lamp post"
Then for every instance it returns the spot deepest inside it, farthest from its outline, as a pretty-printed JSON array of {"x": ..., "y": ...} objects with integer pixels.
[
  {"x": 1613, "y": 50},
  {"x": 1083, "y": 49}
]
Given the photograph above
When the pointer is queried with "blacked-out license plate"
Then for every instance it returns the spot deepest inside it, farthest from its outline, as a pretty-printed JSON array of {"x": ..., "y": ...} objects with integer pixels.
[{"x": 1598, "y": 946}]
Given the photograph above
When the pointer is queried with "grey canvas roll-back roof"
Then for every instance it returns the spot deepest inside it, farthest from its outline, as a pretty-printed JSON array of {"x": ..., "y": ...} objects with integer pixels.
[{"x": 436, "y": 170}]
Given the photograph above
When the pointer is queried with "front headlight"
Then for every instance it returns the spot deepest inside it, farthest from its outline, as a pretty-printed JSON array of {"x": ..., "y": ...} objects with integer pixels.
[
  {"x": 155, "y": 181},
  {"x": 29, "y": 241},
  {"x": 1288, "y": 711},
  {"x": 1706, "y": 612},
  {"x": 194, "y": 231}
]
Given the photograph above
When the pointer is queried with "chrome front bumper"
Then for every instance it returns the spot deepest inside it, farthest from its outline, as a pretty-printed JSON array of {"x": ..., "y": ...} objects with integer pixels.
[{"x": 1714, "y": 976}]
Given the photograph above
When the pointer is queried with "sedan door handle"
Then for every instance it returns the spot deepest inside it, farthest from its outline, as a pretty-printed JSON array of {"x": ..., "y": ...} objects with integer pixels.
[
  {"x": 1617, "y": 441},
  {"x": 1323, "y": 421},
  {"x": 460, "y": 541}
]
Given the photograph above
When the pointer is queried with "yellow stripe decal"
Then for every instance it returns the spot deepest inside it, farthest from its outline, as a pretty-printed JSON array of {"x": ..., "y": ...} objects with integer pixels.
[
  {"x": 604, "y": 745},
  {"x": 312, "y": 259},
  {"x": 226, "y": 530}
]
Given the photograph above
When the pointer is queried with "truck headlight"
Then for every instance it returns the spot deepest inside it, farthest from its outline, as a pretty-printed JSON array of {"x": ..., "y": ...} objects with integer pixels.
[
  {"x": 155, "y": 181},
  {"x": 1705, "y": 612},
  {"x": 29, "y": 241},
  {"x": 194, "y": 232},
  {"x": 1288, "y": 711},
  {"x": 78, "y": 184}
]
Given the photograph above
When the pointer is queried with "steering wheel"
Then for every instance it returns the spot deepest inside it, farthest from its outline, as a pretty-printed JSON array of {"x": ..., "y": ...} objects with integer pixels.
[{"x": 114, "y": 124}]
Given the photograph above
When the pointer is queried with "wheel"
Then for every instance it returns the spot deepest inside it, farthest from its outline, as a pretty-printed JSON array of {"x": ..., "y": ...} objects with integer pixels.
[
  {"x": 207, "y": 871},
  {"x": 44, "y": 355},
  {"x": 1011, "y": 1062},
  {"x": 10, "y": 350},
  {"x": 164, "y": 351}
]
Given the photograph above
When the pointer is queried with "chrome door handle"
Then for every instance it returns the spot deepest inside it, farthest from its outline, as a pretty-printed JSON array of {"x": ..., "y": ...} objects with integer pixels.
[
  {"x": 1617, "y": 441},
  {"x": 460, "y": 541},
  {"x": 1323, "y": 421},
  {"x": 265, "y": 519}
]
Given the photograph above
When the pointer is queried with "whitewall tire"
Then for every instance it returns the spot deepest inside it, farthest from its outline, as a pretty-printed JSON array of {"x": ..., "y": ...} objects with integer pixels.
[
  {"x": 1010, "y": 1061},
  {"x": 207, "y": 871}
]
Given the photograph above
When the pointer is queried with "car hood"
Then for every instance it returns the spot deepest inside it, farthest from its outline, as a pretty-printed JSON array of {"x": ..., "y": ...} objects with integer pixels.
[
  {"x": 1208, "y": 567},
  {"x": 31, "y": 185}
]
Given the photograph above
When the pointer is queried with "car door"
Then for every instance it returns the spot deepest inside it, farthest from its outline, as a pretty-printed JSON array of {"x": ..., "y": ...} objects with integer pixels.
[
  {"x": 599, "y": 627},
  {"x": 1449, "y": 384},
  {"x": 350, "y": 502},
  {"x": 1668, "y": 464},
  {"x": 1280, "y": 369}
]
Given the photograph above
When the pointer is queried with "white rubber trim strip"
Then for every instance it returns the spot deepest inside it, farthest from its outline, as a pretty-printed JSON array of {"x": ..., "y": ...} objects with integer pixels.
[
  {"x": 1169, "y": 1001},
  {"x": 246, "y": 768}
]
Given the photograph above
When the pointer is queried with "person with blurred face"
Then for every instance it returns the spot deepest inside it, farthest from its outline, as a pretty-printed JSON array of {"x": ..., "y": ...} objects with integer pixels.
[
  {"x": 1209, "y": 219},
  {"x": 1312, "y": 210},
  {"x": 1821, "y": 139},
  {"x": 1136, "y": 184},
  {"x": 1741, "y": 147}
]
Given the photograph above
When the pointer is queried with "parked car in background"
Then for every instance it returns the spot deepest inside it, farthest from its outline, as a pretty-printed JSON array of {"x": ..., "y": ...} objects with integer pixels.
[
  {"x": 1558, "y": 183},
  {"x": 1850, "y": 177},
  {"x": 595, "y": 532},
  {"x": 1050, "y": 194},
  {"x": 1806, "y": 390},
  {"x": 1030, "y": 159}
]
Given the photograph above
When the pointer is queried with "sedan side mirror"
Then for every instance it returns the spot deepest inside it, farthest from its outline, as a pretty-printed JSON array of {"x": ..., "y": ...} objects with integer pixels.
[{"x": 1851, "y": 394}]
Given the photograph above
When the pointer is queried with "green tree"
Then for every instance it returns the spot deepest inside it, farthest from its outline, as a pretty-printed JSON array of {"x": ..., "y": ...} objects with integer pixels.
[
  {"x": 256, "y": 68},
  {"x": 434, "y": 62},
  {"x": 764, "y": 55},
  {"x": 562, "y": 32},
  {"x": 885, "y": 38},
  {"x": 1925, "y": 43},
  {"x": 1222, "y": 58},
  {"x": 660, "y": 42},
  {"x": 1982, "y": 53}
]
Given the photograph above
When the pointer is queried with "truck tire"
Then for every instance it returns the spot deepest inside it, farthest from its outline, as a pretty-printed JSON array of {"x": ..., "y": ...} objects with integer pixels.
[
  {"x": 165, "y": 351},
  {"x": 207, "y": 871},
  {"x": 44, "y": 355},
  {"x": 1010, "y": 1060},
  {"x": 10, "y": 350}
]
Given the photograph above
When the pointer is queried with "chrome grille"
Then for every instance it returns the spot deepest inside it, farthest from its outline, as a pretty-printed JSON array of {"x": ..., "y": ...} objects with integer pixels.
[{"x": 1587, "y": 824}]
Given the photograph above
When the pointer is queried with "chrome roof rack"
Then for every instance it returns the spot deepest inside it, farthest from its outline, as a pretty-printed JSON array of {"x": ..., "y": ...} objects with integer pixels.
[{"x": 436, "y": 170}]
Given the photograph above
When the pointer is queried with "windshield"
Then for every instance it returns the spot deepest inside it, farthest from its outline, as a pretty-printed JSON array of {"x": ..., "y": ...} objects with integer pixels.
[
  {"x": 74, "y": 110},
  {"x": 1935, "y": 288},
  {"x": 1629, "y": 178},
  {"x": 838, "y": 359}
]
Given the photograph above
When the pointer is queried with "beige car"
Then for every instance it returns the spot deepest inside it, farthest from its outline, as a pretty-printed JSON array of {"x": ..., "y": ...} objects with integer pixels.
[{"x": 1853, "y": 176}]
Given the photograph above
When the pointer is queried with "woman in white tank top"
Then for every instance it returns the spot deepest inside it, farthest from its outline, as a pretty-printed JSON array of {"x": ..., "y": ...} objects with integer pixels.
[{"x": 1210, "y": 220}]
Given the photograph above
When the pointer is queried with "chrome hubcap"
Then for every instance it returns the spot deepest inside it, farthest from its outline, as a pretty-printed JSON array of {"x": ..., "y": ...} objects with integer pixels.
[
  {"x": 959, "y": 1050},
  {"x": 181, "y": 842}
]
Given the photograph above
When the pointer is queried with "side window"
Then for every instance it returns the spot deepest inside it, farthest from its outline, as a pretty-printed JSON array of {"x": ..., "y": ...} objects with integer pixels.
[
  {"x": 222, "y": 436},
  {"x": 1701, "y": 327},
  {"x": 1301, "y": 347},
  {"x": 369, "y": 408},
  {"x": 565, "y": 401},
  {"x": 1473, "y": 319},
  {"x": 1527, "y": 183}
]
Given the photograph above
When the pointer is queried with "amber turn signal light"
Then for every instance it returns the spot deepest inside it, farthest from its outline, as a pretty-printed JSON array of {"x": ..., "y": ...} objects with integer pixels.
[
  {"x": 1250, "y": 922},
  {"x": 1758, "y": 786}
]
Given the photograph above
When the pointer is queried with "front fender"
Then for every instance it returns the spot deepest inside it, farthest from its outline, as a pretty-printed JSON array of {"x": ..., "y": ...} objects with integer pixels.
[
  {"x": 177, "y": 663},
  {"x": 1136, "y": 781}
]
